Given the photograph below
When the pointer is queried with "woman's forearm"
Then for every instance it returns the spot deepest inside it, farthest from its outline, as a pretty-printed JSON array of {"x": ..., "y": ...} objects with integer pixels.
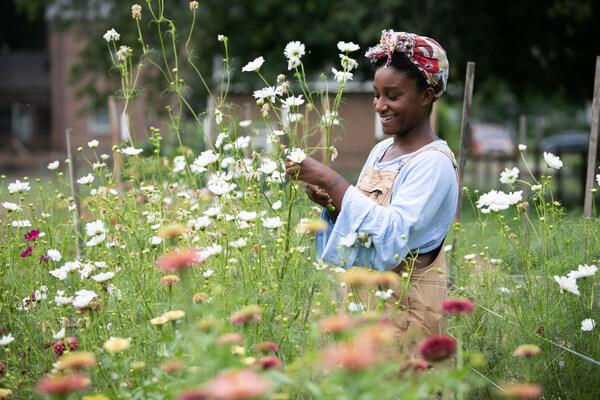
[{"x": 335, "y": 185}]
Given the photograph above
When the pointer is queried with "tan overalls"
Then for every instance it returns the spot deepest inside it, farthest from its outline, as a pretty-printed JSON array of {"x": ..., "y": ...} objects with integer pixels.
[{"x": 418, "y": 309}]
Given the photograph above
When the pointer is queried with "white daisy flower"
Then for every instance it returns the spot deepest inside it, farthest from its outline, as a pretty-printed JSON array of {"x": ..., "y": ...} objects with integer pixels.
[
  {"x": 296, "y": 155},
  {"x": 54, "y": 254},
  {"x": 53, "y": 165},
  {"x": 131, "y": 151},
  {"x": 552, "y": 161},
  {"x": 6, "y": 340},
  {"x": 568, "y": 284},
  {"x": 11, "y": 206},
  {"x": 253, "y": 65},
  {"x": 18, "y": 186},
  {"x": 509, "y": 175},
  {"x": 587, "y": 324},
  {"x": 347, "y": 47},
  {"x": 342, "y": 76},
  {"x": 272, "y": 223},
  {"x": 294, "y": 50},
  {"x": 92, "y": 144},
  {"x": 85, "y": 180}
]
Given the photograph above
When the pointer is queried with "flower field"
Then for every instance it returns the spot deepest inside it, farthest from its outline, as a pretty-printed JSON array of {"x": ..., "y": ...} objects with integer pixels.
[{"x": 193, "y": 275}]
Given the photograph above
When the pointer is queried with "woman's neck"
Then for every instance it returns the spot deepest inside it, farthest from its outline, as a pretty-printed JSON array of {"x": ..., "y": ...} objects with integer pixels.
[{"x": 416, "y": 138}]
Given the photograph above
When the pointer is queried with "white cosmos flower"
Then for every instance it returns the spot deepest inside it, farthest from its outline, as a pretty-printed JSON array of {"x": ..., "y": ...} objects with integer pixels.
[
  {"x": 347, "y": 47},
  {"x": 11, "y": 206},
  {"x": 218, "y": 116},
  {"x": 496, "y": 200},
  {"x": 6, "y": 340},
  {"x": 23, "y": 223},
  {"x": 568, "y": 284},
  {"x": 330, "y": 118},
  {"x": 267, "y": 166},
  {"x": 522, "y": 147},
  {"x": 295, "y": 117},
  {"x": 54, "y": 254},
  {"x": 536, "y": 188},
  {"x": 220, "y": 138},
  {"x": 18, "y": 186},
  {"x": 92, "y": 144},
  {"x": 59, "y": 335},
  {"x": 123, "y": 53},
  {"x": 242, "y": 142},
  {"x": 355, "y": 307},
  {"x": 245, "y": 123},
  {"x": 178, "y": 164},
  {"x": 598, "y": 179},
  {"x": 293, "y": 62},
  {"x": 297, "y": 155},
  {"x": 552, "y": 161},
  {"x": 205, "y": 158},
  {"x": 83, "y": 298},
  {"x": 103, "y": 276},
  {"x": 253, "y": 65},
  {"x": 272, "y": 223},
  {"x": 219, "y": 186},
  {"x": 212, "y": 211},
  {"x": 95, "y": 228},
  {"x": 509, "y": 175},
  {"x": 85, "y": 180},
  {"x": 241, "y": 242},
  {"x": 587, "y": 324},
  {"x": 349, "y": 239},
  {"x": 60, "y": 299},
  {"x": 155, "y": 240},
  {"x": 348, "y": 63},
  {"x": 60, "y": 273},
  {"x": 247, "y": 215},
  {"x": 208, "y": 273},
  {"x": 294, "y": 50},
  {"x": 111, "y": 34},
  {"x": 277, "y": 205},
  {"x": 200, "y": 222},
  {"x": 212, "y": 250},
  {"x": 583, "y": 271},
  {"x": 384, "y": 294},
  {"x": 342, "y": 76},
  {"x": 131, "y": 151},
  {"x": 293, "y": 101},
  {"x": 269, "y": 93},
  {"x": 53, "y": 165}
]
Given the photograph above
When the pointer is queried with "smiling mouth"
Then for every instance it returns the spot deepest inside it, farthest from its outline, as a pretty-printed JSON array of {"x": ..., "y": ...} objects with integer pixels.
[{"x": 387, "y": 118}]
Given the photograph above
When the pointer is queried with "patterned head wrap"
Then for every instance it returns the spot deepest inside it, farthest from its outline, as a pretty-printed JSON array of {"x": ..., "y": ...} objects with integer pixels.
[{"x": 427, "y": 54}]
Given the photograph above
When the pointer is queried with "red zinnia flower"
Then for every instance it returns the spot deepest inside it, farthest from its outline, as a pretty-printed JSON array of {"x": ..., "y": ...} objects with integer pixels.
[
  {"x": 180, "y": 259},
  {"x": 58, "y": 349},
  {"x": 32, "y": 235},
  {"x": 437, "y": 348},
  {"x": 62, "y": 385},
  {"x": 458, "y": 306},
  {"x": 269, "y": 362},
  {"x": 27, "y": 252}
]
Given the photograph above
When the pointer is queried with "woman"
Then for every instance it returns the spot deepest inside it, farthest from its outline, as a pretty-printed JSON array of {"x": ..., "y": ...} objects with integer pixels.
[{"x": 406, "y": 196}]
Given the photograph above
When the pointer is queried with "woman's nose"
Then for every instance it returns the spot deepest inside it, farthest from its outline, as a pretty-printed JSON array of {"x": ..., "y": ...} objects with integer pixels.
[{"x": 380, "y": 105}]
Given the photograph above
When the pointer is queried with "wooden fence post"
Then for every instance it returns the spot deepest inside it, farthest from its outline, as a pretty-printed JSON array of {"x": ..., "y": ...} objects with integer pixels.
[
  {"x": 465, "y": 138},
  {"x": 593, "y": 145},
  {"x": 115, "y": 128},
  {"x": 75, "y": 194},
  {"x": 523, "y": 140}
]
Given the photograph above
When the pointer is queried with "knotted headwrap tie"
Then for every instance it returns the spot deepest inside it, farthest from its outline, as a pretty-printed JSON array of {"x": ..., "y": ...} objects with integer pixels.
[{"x": 424, "y": 52}]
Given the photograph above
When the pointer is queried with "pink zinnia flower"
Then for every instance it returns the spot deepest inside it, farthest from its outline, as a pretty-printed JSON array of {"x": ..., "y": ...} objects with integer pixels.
[
  {"x": 194, "y": 394},
  {"x": 266, "y": 347},
  {"x": 27, "y": 252},
  {"x": 32, "y": 235},
  {"x": 238, "y": 385},
  {"x": 437, "y": 348},
  {"x": 180, "y": 259},
  {"x": 72, "y": 343},
  {"x": 458, "y": 306},
  {"x": 230, "y": 338},
  {"x": 354, "y": 356},
  {"x": 250, "y": 313},
  {"x": 62, "y": 385},
  {"x": 522, "y": 391}
]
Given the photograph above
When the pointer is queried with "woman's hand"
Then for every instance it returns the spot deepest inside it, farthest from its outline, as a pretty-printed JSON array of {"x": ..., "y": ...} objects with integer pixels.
[
  {"x": 318, "y": 195},
  {"x": 310, "y": 171}
]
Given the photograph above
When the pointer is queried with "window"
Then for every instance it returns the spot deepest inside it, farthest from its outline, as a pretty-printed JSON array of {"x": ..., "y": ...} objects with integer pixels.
[{"x": 99, "y": 122}]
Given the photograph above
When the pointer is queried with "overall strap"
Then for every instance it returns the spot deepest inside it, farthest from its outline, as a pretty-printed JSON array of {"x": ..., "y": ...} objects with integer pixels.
[{"x": 442, "y": 149}]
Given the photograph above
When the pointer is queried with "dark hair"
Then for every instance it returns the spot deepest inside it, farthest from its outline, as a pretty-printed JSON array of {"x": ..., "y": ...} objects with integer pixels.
[{"x": 401, "y": 63}]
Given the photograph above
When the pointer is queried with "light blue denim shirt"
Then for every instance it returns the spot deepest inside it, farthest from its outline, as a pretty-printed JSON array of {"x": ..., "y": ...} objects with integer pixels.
[{"x": 421, "y": 210}]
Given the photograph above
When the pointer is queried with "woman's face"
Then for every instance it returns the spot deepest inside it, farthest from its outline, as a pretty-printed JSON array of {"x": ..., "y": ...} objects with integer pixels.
[{"x": 398, "y": 101}]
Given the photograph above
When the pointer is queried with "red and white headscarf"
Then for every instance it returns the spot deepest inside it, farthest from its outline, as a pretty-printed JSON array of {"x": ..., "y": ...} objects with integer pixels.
[{"x": 427, "y": 54}]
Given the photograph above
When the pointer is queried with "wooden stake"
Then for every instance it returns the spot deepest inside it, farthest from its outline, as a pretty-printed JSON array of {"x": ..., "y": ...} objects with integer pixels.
[
  {"x": 465, "y": 138},
  {"x": 115, "y": 128},
  {"x": 77, "y": 211},
  {"x": 593, "y": 145},
  {"x": 523, "y": 140}
]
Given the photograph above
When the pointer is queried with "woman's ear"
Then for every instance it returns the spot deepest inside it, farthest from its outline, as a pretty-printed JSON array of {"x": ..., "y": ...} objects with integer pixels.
[{"x": 428, "y": 96}]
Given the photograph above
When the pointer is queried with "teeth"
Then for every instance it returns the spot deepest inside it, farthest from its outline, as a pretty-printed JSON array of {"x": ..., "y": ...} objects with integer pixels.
[{"x": 386, "y": 119}]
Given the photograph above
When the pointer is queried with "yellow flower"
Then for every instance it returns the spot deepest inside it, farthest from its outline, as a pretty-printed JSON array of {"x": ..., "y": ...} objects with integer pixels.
[
  {"x": 171, "y": 231},
  {"x": 312, "y": 226},
  {"x": 117, "y": 344},
  {"x": 95, "y": 397},
  {"x": 137, "y": 365},
  {"x": 169, "y": 280},
  {"x": 5, "y": 393},
  {"x": 174, "y": 315},
  {"x": 76, "y": 360},
  {"x": 159, "y": 320}
]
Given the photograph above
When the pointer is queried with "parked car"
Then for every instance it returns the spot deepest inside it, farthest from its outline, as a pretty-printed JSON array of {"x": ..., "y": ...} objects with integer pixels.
[{"x": 491, "y": 140}]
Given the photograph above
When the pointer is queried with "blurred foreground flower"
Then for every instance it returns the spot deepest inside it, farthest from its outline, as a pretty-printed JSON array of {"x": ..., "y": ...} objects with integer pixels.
[
  {"x": 76, "y": 360},
  {"x": 232, "y": 385},
  {"x": 62, "y": 385},
  {"x": 180, "y": 259},
  {"x": 250, "y": 313},
  {"x": 521, "y": 391},
  {"x": 527, "y": 350}
]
